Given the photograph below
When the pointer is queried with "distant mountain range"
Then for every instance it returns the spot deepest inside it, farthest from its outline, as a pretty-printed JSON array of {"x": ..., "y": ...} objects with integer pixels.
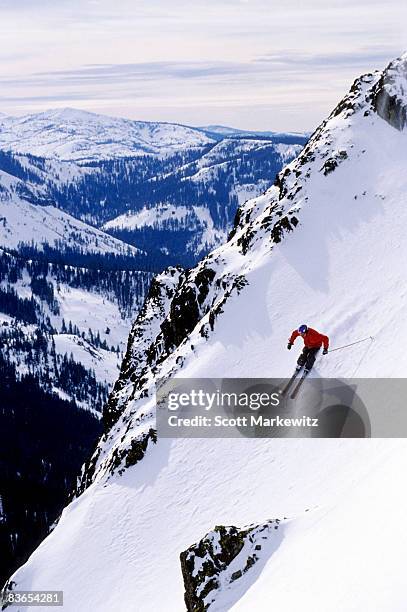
[
  {"x": 105, "y": 171},
  {"x": 224, "y": 131},
  {"x": 75, "y": 135}
]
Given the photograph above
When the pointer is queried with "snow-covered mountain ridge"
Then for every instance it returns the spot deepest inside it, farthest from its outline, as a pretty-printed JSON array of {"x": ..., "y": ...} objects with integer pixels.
[
  {"x": 74, "y": 135},
  {"x": 83, "y": 137},
  {"x": 335, "y": 217},
  {"x": 24, "y": 223},
  {"x": 28, "y": 216},
  {"x": 221, "y": 131}
]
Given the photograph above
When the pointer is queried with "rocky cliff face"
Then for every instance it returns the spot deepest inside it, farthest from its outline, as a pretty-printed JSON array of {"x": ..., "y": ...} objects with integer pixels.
[
  {"x": 178, "y": 302},
  {"x": 390, "y": 94}
]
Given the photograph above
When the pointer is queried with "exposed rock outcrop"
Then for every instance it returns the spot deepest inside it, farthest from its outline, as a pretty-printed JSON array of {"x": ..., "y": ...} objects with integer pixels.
[
  {"x": 390, "y": 94},
  {"x": 222, "y": 557},
  {"x": 143, "y": 333}
]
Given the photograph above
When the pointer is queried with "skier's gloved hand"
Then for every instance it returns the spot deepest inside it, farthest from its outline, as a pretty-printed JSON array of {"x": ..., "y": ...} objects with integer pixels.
[
  {"x": 325, "y": 352},
  {"x": 289, "y": 345}
]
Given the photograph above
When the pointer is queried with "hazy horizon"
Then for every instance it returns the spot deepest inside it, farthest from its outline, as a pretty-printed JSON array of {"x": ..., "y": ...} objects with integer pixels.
[{"x": 249, "y": 64}]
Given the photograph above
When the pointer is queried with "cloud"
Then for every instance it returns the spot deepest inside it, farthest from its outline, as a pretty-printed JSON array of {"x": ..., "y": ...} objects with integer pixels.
[
  {"x": 279, "y": 66},
  {"x": 297, "y": 60}
]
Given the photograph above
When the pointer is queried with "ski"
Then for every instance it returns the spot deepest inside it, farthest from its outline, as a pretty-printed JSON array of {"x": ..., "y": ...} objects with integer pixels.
[
  {"x": 298, "y": 386},
  {"x": 284, "y": 390}
]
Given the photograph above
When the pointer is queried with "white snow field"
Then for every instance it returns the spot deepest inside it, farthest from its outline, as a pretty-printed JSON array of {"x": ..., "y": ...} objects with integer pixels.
[{"x": 342, "y": 270}]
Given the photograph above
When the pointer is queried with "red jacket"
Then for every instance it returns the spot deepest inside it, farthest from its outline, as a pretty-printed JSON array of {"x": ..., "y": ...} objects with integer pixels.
[{"x": 312, "y": 338}]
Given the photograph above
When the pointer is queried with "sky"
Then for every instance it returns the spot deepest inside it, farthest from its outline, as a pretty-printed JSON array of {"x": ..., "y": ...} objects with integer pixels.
[{"x": 252, "y": 64}]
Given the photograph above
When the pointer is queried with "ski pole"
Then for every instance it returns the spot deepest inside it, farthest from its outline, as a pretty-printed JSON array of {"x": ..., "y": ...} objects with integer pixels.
[{"x": 351, "y": 344}]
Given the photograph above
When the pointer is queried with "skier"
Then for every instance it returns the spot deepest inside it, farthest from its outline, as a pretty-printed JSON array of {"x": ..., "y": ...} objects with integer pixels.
[{"x": 313, "y": 341}]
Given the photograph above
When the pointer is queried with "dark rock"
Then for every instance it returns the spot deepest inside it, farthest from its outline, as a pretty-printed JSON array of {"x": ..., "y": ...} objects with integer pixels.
[
  {"x": 387, "y": 99},
  {"x": 213, "y": 555},
  {"x": 185, "y": 310}
]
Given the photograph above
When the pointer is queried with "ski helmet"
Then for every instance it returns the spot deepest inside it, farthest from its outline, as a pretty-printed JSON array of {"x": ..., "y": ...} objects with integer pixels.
[{"x": 303, "y": 329}]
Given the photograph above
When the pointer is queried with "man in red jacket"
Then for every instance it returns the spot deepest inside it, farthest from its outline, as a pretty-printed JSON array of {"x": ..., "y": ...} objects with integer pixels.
[{"x": 313, "y": 341}]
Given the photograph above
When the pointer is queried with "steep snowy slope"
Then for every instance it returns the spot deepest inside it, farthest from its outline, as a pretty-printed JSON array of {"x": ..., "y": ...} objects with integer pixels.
[{"x": 324, "y": 246}]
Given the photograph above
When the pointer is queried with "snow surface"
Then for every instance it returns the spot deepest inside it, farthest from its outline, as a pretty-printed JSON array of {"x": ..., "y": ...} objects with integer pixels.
[
  {"x": 149, "y": 217},
  {"x": 104, "y": 363},
  {"x": 88, "y": 309},
  {"x": 341, "y": 270},
  {"x": 21, "y": 221}
]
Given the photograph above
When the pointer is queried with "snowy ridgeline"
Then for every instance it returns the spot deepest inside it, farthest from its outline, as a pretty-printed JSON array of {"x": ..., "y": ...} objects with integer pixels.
[
  {"x": 80, "y": 136},
  {"x": 335, "y": 217},
  {"x": 73, "y": 135}
]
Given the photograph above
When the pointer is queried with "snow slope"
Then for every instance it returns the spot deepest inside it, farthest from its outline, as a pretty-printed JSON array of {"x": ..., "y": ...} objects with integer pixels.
[
  {"x": 75, "y": 135},
  {"x": 324, "y": 246},
  {"x": 149, "y": 217},
  {"x": 194, "y": 218},
  {"x": 89, "y": 322},
  {"x": 21, "y": 221}
]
